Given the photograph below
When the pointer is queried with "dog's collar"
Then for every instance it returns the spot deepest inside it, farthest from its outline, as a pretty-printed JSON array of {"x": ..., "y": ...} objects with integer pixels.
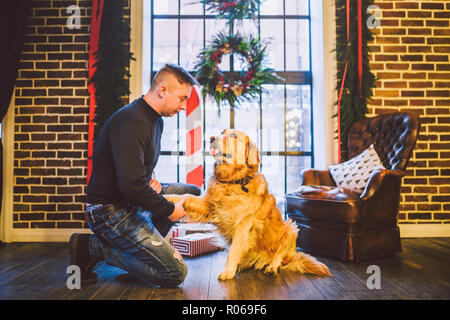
[{"x": 243, "y": 182}]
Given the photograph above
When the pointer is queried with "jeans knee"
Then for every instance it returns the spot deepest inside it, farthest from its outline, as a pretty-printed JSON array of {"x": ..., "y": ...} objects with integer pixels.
[
  {"x": 196, "y": 191},
  {"x": 177, "y": 276},
  {"x": 182, "y": 273},
  {"x": 180, "y": 267}
]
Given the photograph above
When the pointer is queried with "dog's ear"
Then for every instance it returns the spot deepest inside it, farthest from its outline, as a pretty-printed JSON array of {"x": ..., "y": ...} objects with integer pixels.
[{"x": 251, "y": 152}]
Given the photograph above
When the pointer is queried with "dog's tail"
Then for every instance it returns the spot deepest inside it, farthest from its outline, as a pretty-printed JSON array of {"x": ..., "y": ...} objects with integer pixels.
[{"x": 304, "y": 263}]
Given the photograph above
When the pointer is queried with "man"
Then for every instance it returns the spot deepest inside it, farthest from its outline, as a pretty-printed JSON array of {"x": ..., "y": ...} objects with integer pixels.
[{"x": 126, "y": 209}]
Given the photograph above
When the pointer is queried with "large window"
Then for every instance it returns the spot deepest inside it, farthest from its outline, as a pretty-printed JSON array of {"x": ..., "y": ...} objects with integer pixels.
[{"x": 280, "y": 122}]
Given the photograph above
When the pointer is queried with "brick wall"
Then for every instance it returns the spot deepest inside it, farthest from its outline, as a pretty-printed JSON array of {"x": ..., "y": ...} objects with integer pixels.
[
  {"x": 51, "y": 116},
  {"x": 410, "y": 56},
  {"x": 51, "y": 119}
]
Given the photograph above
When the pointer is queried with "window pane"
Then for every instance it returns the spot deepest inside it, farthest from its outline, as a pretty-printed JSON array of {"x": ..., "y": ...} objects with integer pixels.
[
  {"x": 240, "y": 63},
  {"x": 298, "y": 118},
  {"x": 224, "y": 65},
  {"x": 165, "y": 6},
  {"x": 273, "y": 170},
  {"x": 297, "y": 45},
  {"x": 191, "y": 42},
  {"x": 245, "y": 27},
  {"x": 273, "y": 118},
  {"x": 209, "y": 168},
  {"x": 165, "y": 44},
  {"x": 246, "y": 119},
  {"x": 296, "y": 7},
  {"x": 294, "y": 165},
  {"x": 272, "y": 31},
  {"x": 183, "y": 131},
  {"x": 286, "y": 109},
  {"x": 305, "y": 103},
  {"x": 215, "y": 123},
  {"x": 166, "y": 169},
  {"x": 183, "y": 160},
  {"x": 272, "y": 7},
  {"x": 170, "y": 134},
  {"x": 213, "y": 27},
  {"x": 191, "y": 7},
  {"x": 294, "y": 119}
]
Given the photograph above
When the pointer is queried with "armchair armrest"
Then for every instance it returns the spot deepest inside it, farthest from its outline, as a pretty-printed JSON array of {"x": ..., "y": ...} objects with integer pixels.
[
  {"x": 376, "y": 181},
  {"x": 313, "y": 177}
]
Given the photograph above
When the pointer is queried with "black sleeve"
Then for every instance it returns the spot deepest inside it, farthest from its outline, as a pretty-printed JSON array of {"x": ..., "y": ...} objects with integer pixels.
[{"x": 128, "y": 144}]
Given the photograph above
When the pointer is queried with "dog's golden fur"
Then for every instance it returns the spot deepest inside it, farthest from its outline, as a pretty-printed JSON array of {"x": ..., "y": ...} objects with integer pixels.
[{"x": 250, "y": 221}]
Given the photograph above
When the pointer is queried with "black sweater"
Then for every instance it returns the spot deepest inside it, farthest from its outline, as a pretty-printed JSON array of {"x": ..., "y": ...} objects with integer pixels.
[{"x": 125, "y": 154}]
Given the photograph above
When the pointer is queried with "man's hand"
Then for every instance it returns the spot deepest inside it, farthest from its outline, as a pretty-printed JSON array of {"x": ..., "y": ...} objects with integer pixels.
[
  {"x": 179, "y": 211},
  {"x": 155, "y": 185}
]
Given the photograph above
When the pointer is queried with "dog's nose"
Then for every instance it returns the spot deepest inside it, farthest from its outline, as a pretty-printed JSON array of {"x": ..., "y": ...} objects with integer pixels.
[{"x": 212, "y": 139}]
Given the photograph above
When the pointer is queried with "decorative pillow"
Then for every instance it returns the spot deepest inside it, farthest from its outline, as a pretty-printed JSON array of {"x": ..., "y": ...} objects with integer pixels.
[{"x": 354, "y": 173}]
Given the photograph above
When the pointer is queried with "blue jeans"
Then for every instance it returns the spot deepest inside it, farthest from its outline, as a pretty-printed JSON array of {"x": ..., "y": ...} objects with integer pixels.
[{"x": 128, "y": 238}]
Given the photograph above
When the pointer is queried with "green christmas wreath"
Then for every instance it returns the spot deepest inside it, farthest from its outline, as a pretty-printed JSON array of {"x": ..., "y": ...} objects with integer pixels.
[
  {"x": 248, "y": 86},
  {"x": 233, "y": 9}
]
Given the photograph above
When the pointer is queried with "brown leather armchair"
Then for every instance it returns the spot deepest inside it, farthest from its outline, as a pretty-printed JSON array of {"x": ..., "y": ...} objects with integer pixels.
[{"x": 344, "y": 224}]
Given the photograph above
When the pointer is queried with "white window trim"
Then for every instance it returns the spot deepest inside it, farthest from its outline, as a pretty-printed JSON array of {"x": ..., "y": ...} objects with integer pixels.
[
  {"x": 323, "y": 68},
  {"x": 140, "y": 47},
  {"x": 136, "y": 44}
]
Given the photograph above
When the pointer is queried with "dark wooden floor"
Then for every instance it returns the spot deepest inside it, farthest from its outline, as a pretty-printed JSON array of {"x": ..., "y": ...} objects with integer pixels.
[{"x": 38, "y": 271}]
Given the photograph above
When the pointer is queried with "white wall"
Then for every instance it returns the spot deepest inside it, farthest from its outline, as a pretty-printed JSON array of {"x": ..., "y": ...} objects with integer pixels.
[
  {"x": 136, "y": 46},
  {"x": 140, "y": 46}
]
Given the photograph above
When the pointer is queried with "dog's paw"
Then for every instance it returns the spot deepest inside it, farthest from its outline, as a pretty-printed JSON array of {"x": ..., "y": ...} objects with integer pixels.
[
  {"x": 173, "y": 197},
  {"x": 227, "y": 274},
  {"x": 271, "y": 270}
]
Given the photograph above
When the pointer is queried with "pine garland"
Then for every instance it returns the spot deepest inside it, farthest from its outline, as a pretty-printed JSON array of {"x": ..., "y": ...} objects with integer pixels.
[
  {"x": 111, "y": 78},
  {"x": 353, "y": 107}
]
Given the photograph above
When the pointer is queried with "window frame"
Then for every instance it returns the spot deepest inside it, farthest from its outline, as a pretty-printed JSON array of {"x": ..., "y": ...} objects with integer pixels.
[{"x": 291, "y": 77}]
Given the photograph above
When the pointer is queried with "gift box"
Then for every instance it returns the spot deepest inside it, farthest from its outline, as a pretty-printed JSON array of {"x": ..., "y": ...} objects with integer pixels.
[
  {"x": 194, "y": 244},
  {"x": 182, "y": 229},
  {"x": 188, "y": 228}
]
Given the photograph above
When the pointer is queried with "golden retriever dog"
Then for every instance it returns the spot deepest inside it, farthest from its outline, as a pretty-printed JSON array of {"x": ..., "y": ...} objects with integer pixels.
[{"x": 238, "y": 202}]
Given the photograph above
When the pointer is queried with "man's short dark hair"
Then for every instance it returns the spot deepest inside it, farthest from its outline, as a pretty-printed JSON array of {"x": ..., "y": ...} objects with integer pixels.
[{"x": 177, "y": 71}]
